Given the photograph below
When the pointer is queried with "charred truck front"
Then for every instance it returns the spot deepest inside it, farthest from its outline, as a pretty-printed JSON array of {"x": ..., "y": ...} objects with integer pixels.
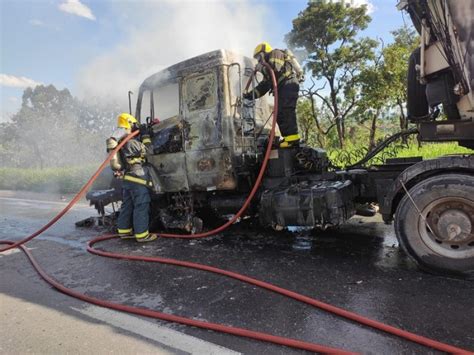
[{"x": 208, "y": 146}]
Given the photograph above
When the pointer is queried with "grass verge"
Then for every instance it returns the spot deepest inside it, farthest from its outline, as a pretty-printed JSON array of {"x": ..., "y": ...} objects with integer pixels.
[
  {"x": 352, "y": 154},
  {"x": 59, "y": 180}
]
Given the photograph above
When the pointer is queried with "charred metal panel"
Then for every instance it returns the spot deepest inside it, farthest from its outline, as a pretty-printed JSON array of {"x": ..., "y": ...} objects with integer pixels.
[
  {"x": 211, "y": 170},
  {"x": 171, "y": 169},
  {"x": 281, "y": 163},
  {"x": 208, "y": 160},
  {"x": 200, "y": 92},
  {"x": 201, "y": 112},
  {"x": 311, "y": 204}
]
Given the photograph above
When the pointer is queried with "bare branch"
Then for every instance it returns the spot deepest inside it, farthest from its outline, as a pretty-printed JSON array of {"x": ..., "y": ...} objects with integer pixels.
[
  {"x": 313, "y": 111},
  {"x": 352, "y": 104},
  {"x": 311, "y": 93},
  {"x": 329, "y": 128},
  {"x": 326, "y": 102}
]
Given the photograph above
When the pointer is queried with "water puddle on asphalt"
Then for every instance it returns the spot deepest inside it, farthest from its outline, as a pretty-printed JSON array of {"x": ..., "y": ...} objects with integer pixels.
[
  {"x": 374, "y": 241},
  {"x": 303, "y": 240}
]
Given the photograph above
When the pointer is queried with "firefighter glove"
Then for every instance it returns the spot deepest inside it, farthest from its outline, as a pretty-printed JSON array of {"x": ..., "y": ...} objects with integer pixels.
[
  {"x": 111, "y": 143},
  {"x": 144, "y": 129},
  {"x": 247, "y": 96},
  {"x": 145, "y": 133}
]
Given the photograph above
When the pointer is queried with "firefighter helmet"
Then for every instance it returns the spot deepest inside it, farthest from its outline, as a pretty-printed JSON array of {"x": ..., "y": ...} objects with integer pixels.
[
  {"x": 125, "y": 120},
  {"x": 263, "y": 47}
]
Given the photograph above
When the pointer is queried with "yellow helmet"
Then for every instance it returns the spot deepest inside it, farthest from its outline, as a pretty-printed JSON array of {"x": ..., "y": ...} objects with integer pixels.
[
  {"x": 263, "y": 47},
  {"x": 125, "y": 120}
]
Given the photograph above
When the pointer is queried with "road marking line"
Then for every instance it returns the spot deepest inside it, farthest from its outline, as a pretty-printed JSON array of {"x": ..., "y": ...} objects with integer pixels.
[
  {"x": 9, "y": 252},
  {"x": 155, "y": 332}
]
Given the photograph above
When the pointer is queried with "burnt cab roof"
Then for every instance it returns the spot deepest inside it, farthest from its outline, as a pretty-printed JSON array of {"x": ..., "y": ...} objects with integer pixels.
[{"x": 195, "y": 64}]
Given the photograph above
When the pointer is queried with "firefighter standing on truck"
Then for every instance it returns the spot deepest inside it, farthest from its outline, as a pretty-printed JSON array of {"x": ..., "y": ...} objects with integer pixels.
[
  {"x": 288, "y": 75},
  {"x": 128, "y": 164}
]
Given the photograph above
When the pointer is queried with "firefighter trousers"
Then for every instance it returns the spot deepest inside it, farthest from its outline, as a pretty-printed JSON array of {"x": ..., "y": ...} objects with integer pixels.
[
  {"x": 135, "y": 211},
  {"x": 287, "y": 98}
]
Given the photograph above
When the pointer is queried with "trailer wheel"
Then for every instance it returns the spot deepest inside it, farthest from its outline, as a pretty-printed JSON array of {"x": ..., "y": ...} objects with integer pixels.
[{"x": 438, "y": 233}]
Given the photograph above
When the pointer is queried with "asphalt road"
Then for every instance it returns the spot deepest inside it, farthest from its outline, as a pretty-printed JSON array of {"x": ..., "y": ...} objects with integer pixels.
[{"x": 357, "y": 267}]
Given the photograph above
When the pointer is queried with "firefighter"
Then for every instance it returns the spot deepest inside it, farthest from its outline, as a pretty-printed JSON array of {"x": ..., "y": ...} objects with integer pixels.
[
  {"x": 133, "y": 220},
  {"x": 288, "y": 75}
]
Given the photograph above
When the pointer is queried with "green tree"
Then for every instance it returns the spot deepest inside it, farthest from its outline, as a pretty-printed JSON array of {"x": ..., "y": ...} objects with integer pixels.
[
  {"x": 396, "y": 57},
  {"x": 306, "y": 123},
  {"x": 374, "y": 97},
  {"x": 314, "y": 125},
  {"x": 328, "y": 32},
  {"x": 40, "y": 125},
  {"x": 383, "y": 83},
  {"x": 8, "y": 136},
  {"x": 54, "y": 129}
]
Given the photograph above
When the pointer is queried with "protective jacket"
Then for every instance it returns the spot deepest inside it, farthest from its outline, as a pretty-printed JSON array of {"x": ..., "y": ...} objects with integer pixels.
[
  {"x": 285, "y": 67},
  {"x": 133, "y": 154},
  {"x": 288, "y": 74},
  {"x": 130, "y": 159}
]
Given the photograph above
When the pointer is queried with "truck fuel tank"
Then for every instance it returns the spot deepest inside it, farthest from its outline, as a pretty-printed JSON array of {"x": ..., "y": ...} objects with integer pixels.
[{"x": 309, "y": 203}]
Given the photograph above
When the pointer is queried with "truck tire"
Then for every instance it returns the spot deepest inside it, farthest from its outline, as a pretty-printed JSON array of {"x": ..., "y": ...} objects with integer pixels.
[
  {"x": 417, "y": 103},
  {"x": 443, "y": 241}
]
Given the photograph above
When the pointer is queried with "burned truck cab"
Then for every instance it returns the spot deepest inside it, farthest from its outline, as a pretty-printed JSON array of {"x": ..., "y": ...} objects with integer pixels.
[
  {"x": 201, "y": 128},
  {"x": 208, "y": 146},
  {"x": 205, "y": 135}
]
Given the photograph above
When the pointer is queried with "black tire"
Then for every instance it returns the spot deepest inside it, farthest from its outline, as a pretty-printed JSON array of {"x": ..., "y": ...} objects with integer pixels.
[
  {"x": 417, "y": 103},
  {"x": 447, "y": 245}
]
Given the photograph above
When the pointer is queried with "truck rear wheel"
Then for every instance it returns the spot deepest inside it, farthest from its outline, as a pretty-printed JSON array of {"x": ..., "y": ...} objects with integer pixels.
[{"x": 438, "y": 233}]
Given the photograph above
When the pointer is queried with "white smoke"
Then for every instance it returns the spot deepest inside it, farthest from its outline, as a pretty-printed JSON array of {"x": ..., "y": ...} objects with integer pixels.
[{"x": 159, "y": 34}]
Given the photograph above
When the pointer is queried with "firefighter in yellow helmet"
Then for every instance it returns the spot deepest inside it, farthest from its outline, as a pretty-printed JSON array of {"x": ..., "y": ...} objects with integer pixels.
[
  {"x": 133, "y": 220},
  {"x": 288, "y": 74}
]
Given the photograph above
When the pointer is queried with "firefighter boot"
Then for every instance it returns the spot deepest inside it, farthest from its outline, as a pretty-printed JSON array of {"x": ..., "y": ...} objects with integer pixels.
[
  {"x": 125, "y": 233},
  {"x": 148, "y": 238},
  {"x": 291, "y": 141}
]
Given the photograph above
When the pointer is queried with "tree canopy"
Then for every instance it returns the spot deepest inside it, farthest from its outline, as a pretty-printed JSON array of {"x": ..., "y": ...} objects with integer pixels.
[
  {"x": 53, "y": 129},
  {"x": 328, "y": 32},
  {"x": 356, "y": 91}
]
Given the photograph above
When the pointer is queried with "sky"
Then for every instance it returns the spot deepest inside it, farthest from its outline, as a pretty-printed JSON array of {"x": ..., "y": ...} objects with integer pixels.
[{"x": 105, "y": 48}]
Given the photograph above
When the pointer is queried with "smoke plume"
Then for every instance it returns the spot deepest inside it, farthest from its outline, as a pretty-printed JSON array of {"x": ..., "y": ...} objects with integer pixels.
[{"x": 159, "y": 34}]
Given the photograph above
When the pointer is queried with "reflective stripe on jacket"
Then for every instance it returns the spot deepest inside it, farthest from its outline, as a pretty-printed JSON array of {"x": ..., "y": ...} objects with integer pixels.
[{"x": 138, "y": 180}]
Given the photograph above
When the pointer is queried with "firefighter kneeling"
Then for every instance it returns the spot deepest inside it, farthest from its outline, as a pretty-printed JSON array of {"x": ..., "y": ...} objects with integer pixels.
[{"x": 128, "y": 164}]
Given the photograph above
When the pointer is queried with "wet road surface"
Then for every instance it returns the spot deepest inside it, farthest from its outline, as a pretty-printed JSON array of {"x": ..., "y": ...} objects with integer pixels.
[{"x": 357, "y": 267}]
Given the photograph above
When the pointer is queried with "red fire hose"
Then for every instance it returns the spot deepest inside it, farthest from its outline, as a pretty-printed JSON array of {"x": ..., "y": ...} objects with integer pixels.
[{"x": 212, "y": 326}]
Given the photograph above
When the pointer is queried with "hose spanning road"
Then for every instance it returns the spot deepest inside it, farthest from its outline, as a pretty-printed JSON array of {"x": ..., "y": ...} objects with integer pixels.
[{"x": 206, "y": 325}]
